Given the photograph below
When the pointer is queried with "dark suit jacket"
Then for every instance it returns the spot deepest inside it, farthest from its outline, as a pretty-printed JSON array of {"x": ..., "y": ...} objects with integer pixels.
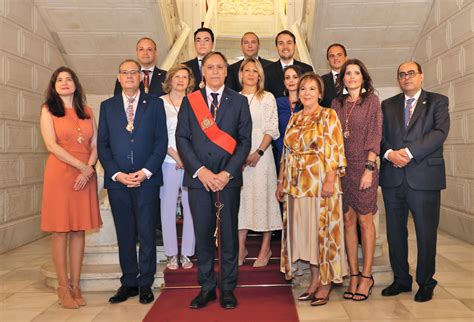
[
  {"x": 197, "y": 150},
  {"x": 194, "y": 65},
  {"x": 424, "y": 137},
  {"x": 156, "y": 85},
  {"x": 329, "y": 89},
  {"x": 232, "y": 80},
  {"x": 274, "y": 77},
  {"x": 147, "y": 144}
]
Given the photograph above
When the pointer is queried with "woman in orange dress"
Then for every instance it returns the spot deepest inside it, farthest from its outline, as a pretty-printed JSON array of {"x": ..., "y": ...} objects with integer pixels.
[
  {"x": 70, "y": 203},
  {"x": 309, "y": 182}
]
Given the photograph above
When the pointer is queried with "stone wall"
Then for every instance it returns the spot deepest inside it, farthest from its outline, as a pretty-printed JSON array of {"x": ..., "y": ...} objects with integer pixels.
[
  {"x": 28, "y": 56},
  {"x": 446, "y": 53}
]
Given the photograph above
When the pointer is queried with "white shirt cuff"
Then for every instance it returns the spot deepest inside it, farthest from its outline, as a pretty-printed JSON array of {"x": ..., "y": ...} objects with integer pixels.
[
  {"x": 385, "y": 156},
  {"x": 197, "y": 171},
  {"x": 147, "y": 173},
  {"x": 409, "y": 153},
  {"x": 114, "y": 177}
]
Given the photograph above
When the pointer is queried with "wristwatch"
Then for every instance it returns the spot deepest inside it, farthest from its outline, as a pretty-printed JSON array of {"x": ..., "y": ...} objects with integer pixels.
[
  {"x": 260, "y": 152},
  {"x": 369, "y": 165}
]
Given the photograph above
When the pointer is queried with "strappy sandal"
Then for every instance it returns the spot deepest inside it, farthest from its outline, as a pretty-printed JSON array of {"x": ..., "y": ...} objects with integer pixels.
[
  {"x": 365, "y": 296},
  {"x": 350, "y": 295}
]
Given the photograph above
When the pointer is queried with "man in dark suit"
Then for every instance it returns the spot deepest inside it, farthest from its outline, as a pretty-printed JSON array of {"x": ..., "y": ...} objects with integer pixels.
[
  {"x": 203, "y": 44},
  {"x": 213, "y": 138},
  {"x": 250, "y": 44},
  {"x": 415, "y": 126},
  {"x": 285, "y": 43},
  {"x": 132, "y": 144},
  {"x": 151, "y": 76},
  {"x": 336, "y": 55}
]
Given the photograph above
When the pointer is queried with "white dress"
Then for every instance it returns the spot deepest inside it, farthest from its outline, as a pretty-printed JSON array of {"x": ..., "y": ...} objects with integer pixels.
[{"x": 259, "y": 209}]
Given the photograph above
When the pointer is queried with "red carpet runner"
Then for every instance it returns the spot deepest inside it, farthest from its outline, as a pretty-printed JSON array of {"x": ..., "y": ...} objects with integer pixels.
[{"x": 256, "y": 304}]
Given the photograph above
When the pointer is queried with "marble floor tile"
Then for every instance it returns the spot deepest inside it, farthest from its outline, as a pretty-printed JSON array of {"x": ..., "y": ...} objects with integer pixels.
[
  {"x": 455, "y": 279},
  {"x": 377, "y": 310},
  {"x": 333, "y": 310},
  {"x": 28, "y": 300},
  {"x": 461, "y": 292},
  {"x": 13, "y": 286},
  {"x": 438, "y": 308},
  {"x": 58, "y": 314},
  {"x": 38, "y": 286},
  {"x": 19, "y": 314},
  {"x": 122, "y": 313},
  {"x": 467, "y": 265},
  {"x": 469, "y": 303}
]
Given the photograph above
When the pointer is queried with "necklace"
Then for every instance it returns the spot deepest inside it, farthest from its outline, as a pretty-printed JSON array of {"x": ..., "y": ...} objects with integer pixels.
[
  {"x": 250, "y": 103},
  {"x": 347, "y": 133},
  {"x": 172, "y": 103},
  {"x": 79, "y": 136}
]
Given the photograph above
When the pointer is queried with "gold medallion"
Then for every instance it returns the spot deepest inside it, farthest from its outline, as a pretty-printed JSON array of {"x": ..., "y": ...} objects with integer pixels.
[
  {"x": 129, "y": 127},
  {"x": 207, "y": 123},
  {"x": 202, "y": 84},
  {"x": 146, "y": 90},
  {"x": 346, "y": 134}
]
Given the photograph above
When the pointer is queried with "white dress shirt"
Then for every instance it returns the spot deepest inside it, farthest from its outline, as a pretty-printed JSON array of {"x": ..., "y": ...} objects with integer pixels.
[{"x": 283, "y": 65}]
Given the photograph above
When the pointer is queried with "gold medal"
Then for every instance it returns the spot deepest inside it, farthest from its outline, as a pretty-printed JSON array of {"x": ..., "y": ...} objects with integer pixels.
[
  {"x": 129, "y": 127},
  {"x": 146, "y": 90},
  {"x": 206, "y": 123},
  {"x": 346, "y": 134},
  {"x": 202, "y": 84}
]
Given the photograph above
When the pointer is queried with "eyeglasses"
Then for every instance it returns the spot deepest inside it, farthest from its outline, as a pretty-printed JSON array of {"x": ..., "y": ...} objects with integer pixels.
[
  {"x": 410, "y": 74},
  {"x": 129, "y": 72}
]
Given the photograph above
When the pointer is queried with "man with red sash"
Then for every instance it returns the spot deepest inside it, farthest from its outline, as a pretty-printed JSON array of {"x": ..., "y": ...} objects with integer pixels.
[{"x": 213, "y": 137}]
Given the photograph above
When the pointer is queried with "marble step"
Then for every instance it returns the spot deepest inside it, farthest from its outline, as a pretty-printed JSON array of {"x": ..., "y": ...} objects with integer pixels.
[
  {"x": 108, "y": 254},
  {"x": 230, "y": 47},
  {"x": 95, "y": 278}
]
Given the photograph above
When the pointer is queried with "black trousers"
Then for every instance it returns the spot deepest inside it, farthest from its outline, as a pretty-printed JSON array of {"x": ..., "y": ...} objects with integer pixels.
[
  {"x": 134, "y": 212},
  {"x": 424, "y": 206},
  {"x": 202, "y": 204}
]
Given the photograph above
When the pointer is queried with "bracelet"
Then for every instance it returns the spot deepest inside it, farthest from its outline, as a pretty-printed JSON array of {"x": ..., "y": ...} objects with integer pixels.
[
  {"x": 370, "y": 166},
  {"x": 279, "y": 181}
]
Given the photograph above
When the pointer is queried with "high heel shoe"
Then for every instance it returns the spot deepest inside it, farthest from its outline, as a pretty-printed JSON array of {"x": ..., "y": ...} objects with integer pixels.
[
  {"x": 318, "y": 301},
  {"x": 263, "y": 262},
  {"x": 365, "y": 296},
  {"x": 77, "y": 295},
  {"x": 306, "y": 296},
  {"x": 350, "y": 295},
  {"x": 65, "y": 298},
  {"x": 242, "y": 261}
]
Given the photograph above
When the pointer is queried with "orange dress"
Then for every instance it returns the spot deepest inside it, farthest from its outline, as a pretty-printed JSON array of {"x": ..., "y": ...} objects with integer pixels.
[{"x": 64, "y": 209}]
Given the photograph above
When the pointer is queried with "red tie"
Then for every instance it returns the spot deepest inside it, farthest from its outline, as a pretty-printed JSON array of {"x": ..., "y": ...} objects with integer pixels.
[{"x": 146, "y": 80}]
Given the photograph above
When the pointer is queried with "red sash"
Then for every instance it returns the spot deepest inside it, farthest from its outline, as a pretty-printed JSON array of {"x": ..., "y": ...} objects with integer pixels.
[{"x": 208, "y": 125}]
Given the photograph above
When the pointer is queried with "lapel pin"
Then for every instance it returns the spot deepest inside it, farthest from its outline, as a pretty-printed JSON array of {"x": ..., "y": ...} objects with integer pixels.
[
  {"x": 144, "y": 102},
  {"x": 424, "y": 102}
]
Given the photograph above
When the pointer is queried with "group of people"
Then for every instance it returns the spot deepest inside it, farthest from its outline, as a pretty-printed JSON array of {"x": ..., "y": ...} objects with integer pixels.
[{"x": 268, "y": 146}]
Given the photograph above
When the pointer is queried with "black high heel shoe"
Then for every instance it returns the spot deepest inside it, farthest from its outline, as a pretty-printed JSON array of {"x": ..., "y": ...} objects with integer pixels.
[
  {"x": 365, "y": 296},
  {"x": 350, "y": 295}
]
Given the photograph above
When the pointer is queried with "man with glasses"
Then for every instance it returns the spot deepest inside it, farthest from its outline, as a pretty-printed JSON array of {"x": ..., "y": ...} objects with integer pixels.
[
  {"x": 250, "y": 44},
  {"x": 151, "y": 76},
  {"x": 213, "y": 138},
  {"x": 132, "y": 143},
  {"x": 203, "y": 44},
  {"x": 336, "y": 55},
  {"x": 415, "y": 126},
  {"x": 285, "y": 42}
]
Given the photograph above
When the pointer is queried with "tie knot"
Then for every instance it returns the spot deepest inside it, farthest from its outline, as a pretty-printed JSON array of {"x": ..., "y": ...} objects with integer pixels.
[
  {"x": 131, "y": 100},
  {"x": 410, "y": 102},
  {"x": 336, "y": 75},
  {"x": 146, "y": 72},
  {"x": 214, "y": 96}
]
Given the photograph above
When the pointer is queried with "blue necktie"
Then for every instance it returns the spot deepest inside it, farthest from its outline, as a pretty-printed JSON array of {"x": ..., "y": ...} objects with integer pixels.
[
  {"x": 406, "y": 111},
  {"x": 214, "y": 104}
]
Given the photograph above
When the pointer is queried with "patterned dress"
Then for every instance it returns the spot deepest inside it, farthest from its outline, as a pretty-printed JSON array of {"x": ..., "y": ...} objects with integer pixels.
[
  {"x": 313, "y": 226},
  {"x": 365, "y": 133}
]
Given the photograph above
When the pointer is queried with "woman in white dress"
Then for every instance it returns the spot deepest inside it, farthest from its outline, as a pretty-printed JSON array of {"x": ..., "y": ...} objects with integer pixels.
[
  {"x": 259, "y": 210},
  {"x": 179, "y": 82}
]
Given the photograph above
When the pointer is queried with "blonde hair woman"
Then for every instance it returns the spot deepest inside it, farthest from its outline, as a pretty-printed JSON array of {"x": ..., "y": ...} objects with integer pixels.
[
  {"x": 179, "y": 82},
  {"x": 258, "y": 210}
]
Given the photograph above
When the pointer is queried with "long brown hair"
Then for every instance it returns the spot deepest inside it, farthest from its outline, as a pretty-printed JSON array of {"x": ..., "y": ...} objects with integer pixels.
[
  {"x": 366, "y": 80},
  {"x": 54, "y": 102}
]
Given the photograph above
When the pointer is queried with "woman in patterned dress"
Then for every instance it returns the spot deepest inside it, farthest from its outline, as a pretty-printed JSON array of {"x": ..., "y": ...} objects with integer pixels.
[
  {"x": 259, "y": 211},
  {"x": 359, "y": 110},
  {"x": 312, "y": 163},
  {"x": 70, "y": 202}
]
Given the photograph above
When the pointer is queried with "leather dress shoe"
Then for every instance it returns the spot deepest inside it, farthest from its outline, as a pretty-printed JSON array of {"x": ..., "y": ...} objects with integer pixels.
[
  {"x": 228, "y": 300},
  {"x": 123, "y": 293},
  {"x": 146, "y": 295},
  {"x": 424, "y": 294},
  {"x": 395, "y": 289},
  {"x": 202, "y": 299}
]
